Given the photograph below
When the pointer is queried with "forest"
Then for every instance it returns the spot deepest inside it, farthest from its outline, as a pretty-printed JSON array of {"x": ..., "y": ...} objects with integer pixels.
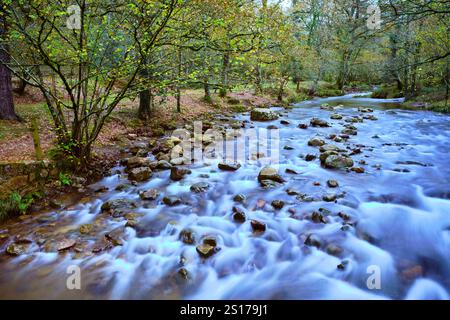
[{"x": 93, "y": 92}]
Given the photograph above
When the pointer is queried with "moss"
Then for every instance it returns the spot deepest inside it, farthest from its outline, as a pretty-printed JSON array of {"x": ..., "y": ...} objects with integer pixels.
[
  {"x": 387, "y": 92},
  {"x": 239, "y": 108}
]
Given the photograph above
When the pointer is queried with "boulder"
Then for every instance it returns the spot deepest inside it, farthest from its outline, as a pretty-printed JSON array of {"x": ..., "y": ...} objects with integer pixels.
[
  {"x": 332, "y": 184},
  {"x": 269, "y": 173},
  {"x": 176, "y": 174},
  {"x": 238, "y": 215},
  {"x": 258, "y": 226},
  {"x": 313, "y": 240},
  {"x": 338, "y": 162},
  {"x": 316, "y": 122},
  {"x": 316, "y": 142},
  {"x": 140, "y": 174},
  {"x": 205, "y": 250},
  {"x": 336, "y": 116},
  {"x": 151, "y": 194},
  {"x": 187, "y": 236},
  {"x": 200, "y": 187},
  {"x": 277, "y": 204},
  {"x": 135, "y": 162},
  {"x": 330, "y": 147},
  {"x": 263, "y": 114},
  {"x": 171, "y": 201},
  {"x": 118, "y": 207},
  {"x": 229, "y": 166}
]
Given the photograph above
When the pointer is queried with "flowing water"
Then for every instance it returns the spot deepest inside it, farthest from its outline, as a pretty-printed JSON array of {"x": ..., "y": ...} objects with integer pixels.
[{"x": 399, "y": 228}]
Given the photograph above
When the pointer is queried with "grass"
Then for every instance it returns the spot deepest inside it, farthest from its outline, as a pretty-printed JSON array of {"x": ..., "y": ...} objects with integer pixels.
[{"x": 10, "y": 130}]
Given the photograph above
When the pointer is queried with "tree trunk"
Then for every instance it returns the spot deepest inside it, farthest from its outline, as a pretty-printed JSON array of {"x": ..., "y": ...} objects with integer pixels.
[
  {"x": 225, "y": 70},
  {"x": 145, "y": 104},
  {"x": 6, "y": 97},
  {"x": 207, "y": 97}
]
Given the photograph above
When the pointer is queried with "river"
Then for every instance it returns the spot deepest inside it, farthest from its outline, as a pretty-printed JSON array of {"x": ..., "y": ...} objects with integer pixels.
[{"x": 387, "y": 236}]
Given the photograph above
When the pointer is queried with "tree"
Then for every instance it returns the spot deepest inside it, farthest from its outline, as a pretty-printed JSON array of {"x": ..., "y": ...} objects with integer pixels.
[
  {"x": 95, "y": 65},
  {"x": 6, "y": 94}
]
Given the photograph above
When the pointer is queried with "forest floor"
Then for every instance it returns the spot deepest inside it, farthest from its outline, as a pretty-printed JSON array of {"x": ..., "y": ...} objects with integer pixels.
[{"x": 16, "y": 143}]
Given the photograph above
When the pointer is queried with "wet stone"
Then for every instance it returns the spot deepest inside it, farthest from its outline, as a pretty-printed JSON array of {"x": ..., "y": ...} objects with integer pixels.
[
  {"x": 140, "y": 174},
  {"x": 229, "y": 166},
  {"x": 258, "y": 226},
  {"x": 313, "y": 240},
  {"x": 239, "y": 198},
  {"x": 277, "y": 204},
  {"x": 310, "y": 157},
  {"x": 171, "y": 201},
  {"x": 316, "y": 122},
  {"x": 333, "y": 249},
  {"x": 200, "y": 187},
  {"x": 238, "y": 215},
  {"x": 315, "y": 142},
  {"x": 290, "y": 171},
  {"x": 318, "y": 217},
  {"x": 332, "y": 184},
  {"x": 86, "y": 228},
  {"x": 263, "y": 114},
  {"x": 268, "y": 173},
  {"x": 343, "y": 265},
  {"x": 65, "y": 244},
  {"x": 187, "y": 236},
  {"x": 116, "y": 236},
  {"x": 205, "y": 250},
  {"x": 302, "y": 126},
  {"x": 331, "y": 197},
  {"x": 16, "y": 249},
  {"x": 334, "y": 161},
  {"x": 210, "y": 240},
  {"x": 357, "y": 169},
  {"x": 176, "y": 174},
  {"x": 151, "y": 194}
]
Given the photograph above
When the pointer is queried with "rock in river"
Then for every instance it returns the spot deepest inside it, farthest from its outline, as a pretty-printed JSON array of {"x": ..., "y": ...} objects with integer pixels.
[
  {"x": 316, "y": 142},
  {"x": 316, "y": 122},
  {"x": 140, "y": 174},
  {"x": 176, "y": 174},
  {"x": 171, "y": 201},
  {"x": 205, "y": 250},
  {"x": 238, "y": 215},
  {"x": 277, "y": 204},
  {"x": 269, "y": 173},
  {"x": 15, "y": 249},
  {"x": 200, "y": 187},
  {"x": 258, "y": 226},
  {"x": 338, "y": 162},
  {"x": 263, "y": 114},
  {"x": 187, "y": 236},
  {"x": 313, "y": 240},
  {"x": 135, "y": 162},
  {"x": 151, "y": 194},
  {"x": 332, "y": 183},
  {"x": 229, "y": 166},
  {"x": 336, "y": 116}
]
